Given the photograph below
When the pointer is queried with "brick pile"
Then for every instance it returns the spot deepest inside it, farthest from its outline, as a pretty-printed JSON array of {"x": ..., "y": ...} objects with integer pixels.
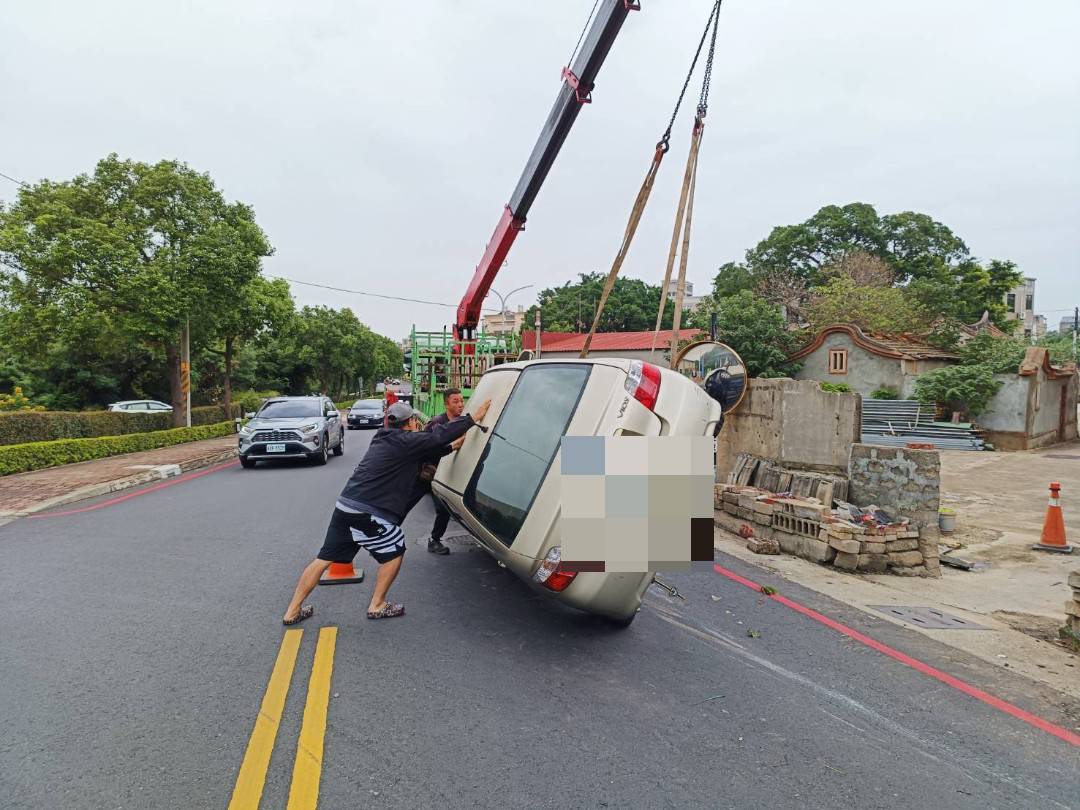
[
  {"x": 806, "y": 527},
  {"x": 1071, "y": 631}
]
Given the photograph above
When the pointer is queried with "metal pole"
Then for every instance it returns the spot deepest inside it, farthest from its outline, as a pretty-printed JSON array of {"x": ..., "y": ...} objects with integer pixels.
[
  {"x": 185, "y": 370},
  {"x": 538, "y": 333}
]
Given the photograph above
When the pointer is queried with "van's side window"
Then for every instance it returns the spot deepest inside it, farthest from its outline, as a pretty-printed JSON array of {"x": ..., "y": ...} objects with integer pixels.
[{"x": 522, "y": 446}]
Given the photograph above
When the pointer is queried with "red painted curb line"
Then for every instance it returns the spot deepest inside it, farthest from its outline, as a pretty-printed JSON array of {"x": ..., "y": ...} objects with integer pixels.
[
  {"x": 914, "y": 663},
  {"x": 183, "y": 479}
]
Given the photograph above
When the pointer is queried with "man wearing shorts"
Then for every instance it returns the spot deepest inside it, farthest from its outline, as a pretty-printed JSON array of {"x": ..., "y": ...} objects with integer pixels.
[{"x": 382, "y": 489}]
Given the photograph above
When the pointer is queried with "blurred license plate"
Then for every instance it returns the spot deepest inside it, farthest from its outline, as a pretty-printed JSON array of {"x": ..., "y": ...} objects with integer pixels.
[{"x": 275, "y": 448}]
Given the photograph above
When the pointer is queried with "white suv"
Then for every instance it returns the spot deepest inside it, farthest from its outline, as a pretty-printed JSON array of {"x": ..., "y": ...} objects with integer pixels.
[{"x": 140, "y": 406}]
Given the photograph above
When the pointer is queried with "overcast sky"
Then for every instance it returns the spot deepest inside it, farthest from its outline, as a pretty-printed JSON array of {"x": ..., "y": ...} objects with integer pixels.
[{"x": 378, "y": 142}]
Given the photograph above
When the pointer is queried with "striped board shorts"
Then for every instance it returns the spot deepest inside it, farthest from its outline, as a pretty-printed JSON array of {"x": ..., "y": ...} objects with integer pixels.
[{"x": 350, "y": 531}]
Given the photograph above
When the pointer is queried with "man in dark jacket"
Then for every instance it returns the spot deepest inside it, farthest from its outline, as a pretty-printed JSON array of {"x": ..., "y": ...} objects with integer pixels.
[
  {"x": 455, "y": 406},
  {"x": 383, "y": 488}
]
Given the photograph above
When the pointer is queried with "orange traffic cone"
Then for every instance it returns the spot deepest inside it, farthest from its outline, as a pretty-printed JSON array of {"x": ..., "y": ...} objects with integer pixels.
[
  {"x": 1053, "y": 532},
  {"x": 341, "y": 574}
]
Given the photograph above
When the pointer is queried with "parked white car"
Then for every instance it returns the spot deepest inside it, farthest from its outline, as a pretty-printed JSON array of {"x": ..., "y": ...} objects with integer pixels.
[
  {"x": 140, "y": 406},
  {"x": 504, "y": 484}
]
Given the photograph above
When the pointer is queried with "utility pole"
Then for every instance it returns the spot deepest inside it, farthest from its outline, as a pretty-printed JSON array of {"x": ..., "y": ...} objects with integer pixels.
[
  {"x": 185, "y": 370},
  {"x": 1076, "y": 328}
]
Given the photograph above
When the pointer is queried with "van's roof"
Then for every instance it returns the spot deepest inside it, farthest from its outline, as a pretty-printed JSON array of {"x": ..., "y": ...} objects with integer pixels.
[{"x": 618, "y": 362}]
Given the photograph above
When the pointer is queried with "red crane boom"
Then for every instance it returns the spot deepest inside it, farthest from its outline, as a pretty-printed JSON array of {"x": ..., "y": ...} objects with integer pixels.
[{"x": 576, "y": 90}]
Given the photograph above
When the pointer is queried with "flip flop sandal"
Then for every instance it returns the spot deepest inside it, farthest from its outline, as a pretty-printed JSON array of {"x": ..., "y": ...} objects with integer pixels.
[
  {"x": 305, "y": 613},
  {"x": 389, "y": 611}
]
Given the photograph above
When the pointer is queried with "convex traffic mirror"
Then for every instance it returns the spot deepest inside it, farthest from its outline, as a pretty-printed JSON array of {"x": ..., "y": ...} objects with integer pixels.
[{"x": 717, "y": 368}]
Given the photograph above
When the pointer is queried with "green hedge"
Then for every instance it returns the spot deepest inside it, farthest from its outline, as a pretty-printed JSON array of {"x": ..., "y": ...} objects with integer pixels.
[
  {"x": 16, "y": 458},
  {"x": 20, "y": 427}
]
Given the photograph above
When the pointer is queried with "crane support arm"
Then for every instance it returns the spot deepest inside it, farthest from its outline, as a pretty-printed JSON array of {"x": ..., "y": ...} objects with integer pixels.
[{"x": 576, "y": 90}]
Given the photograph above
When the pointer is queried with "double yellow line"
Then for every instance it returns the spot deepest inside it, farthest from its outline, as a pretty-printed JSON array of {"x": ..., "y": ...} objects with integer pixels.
[{"x": 307, "y": 769}]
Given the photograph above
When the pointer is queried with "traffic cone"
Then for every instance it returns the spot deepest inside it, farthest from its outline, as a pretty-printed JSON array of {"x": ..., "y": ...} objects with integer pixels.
[
  {"x": 341, "y": 574},
  {"x": 1053, "y": 532}
]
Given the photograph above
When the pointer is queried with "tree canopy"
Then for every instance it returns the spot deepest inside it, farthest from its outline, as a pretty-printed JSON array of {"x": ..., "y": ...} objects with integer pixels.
[
  {"x": 631, "y": 307},
  {"x": 923, "y": 256},
  {"x": 756, "y": 330},
  {"x": 99, "y": 274}
]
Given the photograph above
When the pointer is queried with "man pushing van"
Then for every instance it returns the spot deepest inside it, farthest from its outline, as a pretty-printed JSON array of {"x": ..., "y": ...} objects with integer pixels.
[{"x": 382, "y": 489}]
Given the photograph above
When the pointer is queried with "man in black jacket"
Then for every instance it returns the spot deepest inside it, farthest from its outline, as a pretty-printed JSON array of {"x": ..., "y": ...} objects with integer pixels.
[{"x": 383, "y": 488}]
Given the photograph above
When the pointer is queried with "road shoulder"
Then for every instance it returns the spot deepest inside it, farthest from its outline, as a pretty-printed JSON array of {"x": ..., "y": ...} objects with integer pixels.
[
  {"x": 998, "y": 643},
  {"x": 28, "y": 493}
]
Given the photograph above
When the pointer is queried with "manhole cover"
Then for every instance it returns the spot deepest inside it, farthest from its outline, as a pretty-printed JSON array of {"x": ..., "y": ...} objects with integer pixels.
[
  {"x": 929, "y": 618},
  {"x": 1060, "y": 455}
]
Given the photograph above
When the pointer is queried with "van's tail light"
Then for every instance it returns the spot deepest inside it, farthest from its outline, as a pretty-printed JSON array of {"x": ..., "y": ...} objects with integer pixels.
[
  {"x": 643, "y": 384},
  {"x": 549, "y": 575}
]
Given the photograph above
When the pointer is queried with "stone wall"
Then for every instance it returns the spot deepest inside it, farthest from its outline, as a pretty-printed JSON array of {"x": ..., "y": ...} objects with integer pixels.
[
  {"x": 1071, "y": 631},
  {"x": 791, "y": 422},
  {"x": 1034, "y": 408},
  {"x": 902, "y": 482}
]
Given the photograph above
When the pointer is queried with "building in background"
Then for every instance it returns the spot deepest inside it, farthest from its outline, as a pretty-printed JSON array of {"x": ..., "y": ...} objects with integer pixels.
[
  {"x": 690, "y": 301},
  {"x": 1020, "y": 302},
  {"x": 504, "y": 323},
  {"x": 1067, "y": 323},
  {"x": 844, "y": 353},
  {"x": 625, "y": 345}
]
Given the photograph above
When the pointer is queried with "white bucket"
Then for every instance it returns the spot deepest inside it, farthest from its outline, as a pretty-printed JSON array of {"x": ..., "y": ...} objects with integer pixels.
[{"x": 946, "y": 520}]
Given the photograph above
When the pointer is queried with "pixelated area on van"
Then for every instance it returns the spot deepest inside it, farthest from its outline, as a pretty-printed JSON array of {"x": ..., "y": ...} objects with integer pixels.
[{"x": 636, "y": 503}]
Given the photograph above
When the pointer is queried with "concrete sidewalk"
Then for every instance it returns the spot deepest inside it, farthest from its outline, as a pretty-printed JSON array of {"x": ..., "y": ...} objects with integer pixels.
[
  {"x": 1016, "y": 597},
  {"x": 26, "y": 493}
]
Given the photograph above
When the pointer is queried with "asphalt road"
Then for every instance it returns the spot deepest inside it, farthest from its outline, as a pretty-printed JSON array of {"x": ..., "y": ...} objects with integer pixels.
[{"x": 138, "y": 640}]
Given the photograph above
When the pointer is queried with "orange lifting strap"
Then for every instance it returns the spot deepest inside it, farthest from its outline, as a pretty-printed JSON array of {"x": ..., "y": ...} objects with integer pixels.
[{"x": 683, "y": 215}]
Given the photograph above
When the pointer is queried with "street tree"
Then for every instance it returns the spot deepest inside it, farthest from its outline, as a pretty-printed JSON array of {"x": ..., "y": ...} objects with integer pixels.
[
  {"x": 142, "y": 248},
  {"x": 263, "y": 304},
  {"x": 757, "y": 331}
]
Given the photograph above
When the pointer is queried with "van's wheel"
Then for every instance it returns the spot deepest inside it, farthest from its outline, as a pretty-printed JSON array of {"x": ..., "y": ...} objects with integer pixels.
[
  {"x": 247, "y": 463},
  {"x": 322, "y": 455},
  {"x": 340, "y": 445},
  {"x": 625, "y": 622}
]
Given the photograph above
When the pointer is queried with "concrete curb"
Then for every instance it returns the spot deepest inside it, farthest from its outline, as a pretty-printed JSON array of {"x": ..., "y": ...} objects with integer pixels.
[{"x": 155, "y": 473}]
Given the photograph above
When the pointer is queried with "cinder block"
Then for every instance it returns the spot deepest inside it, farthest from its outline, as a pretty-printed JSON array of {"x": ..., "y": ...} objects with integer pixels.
[
  {"x": 744, "y": 513},
  {"x": 791, "y": 543},
  {"x": 820, "y": 552},
  {"x": 747, "y": 500},
  {"x": 763, "y": 520},
  {"x": 1074, "y": 580},
  {"x": 905, "y": 559},
  {"x": 848, "y": 562},
  {"x": 848, "y": 545},
  {"x": 874, "y": 548},
  {"x": 873, "y": 563},
  {"x": 1072, "y": 608},
  {"x": 763, "y": 508}
]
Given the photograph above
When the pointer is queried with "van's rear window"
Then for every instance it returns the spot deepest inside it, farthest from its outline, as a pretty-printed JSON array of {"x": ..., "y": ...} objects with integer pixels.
[{"x": 522, "y": 445}]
